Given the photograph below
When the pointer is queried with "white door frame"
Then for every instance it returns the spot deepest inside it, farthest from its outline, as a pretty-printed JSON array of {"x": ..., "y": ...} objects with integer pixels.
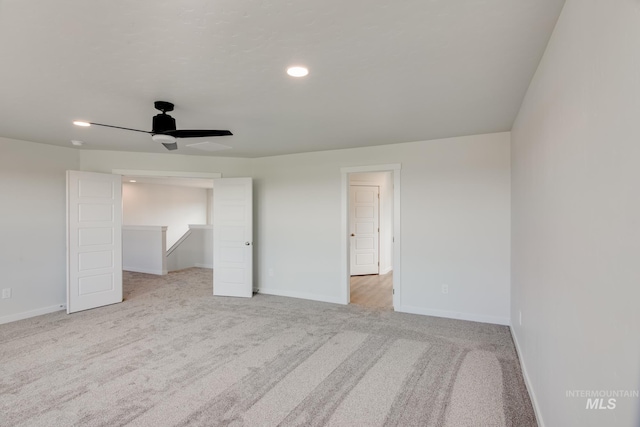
[
  {"x": 344, "y": 229},
  {"x": 171, "y": 174},
  {"x": 160, "y": 174}
]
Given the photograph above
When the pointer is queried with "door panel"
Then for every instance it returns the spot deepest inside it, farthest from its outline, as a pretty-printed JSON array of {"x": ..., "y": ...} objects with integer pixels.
[
  {"x": 94, "y": 242},
  {"x": 363, "y": 222},
  {"x": 233, "y": 237}
]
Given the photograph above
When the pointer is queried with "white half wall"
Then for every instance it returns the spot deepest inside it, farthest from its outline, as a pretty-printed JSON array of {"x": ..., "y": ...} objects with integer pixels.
[
  {"x": 164, "y": 205},
  {"x": 455, "y": 224},
  {"x": 144, "y": 249},
  {"x": 33, "y": 227},
  {"x": 576, "y": 217}
]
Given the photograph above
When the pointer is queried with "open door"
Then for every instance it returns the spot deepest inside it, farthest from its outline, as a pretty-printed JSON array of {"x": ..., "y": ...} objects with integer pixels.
[
  {"x": 94, "y": 240},
  {"x": 233, "y": 237}
]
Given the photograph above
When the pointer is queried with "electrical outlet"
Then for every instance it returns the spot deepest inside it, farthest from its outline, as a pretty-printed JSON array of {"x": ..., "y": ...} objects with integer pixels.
[
  {"x": 6, "y": 293},
  {"x": 520, "y": 317},
  {"x": 271, "y": 273},
  {"x": 445, "y": 289}
]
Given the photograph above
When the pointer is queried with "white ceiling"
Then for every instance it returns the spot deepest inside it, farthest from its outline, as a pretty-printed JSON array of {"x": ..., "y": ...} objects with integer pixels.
[{"x": 381, "y": 71}]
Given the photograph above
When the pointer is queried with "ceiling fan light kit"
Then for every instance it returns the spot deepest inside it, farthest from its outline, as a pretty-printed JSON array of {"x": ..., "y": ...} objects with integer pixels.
[
  {"x": 162, "y": 138},
  {"x": 163, "y": 129}
]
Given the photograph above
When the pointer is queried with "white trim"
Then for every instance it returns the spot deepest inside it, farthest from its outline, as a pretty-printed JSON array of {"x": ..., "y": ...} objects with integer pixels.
[
  {"x": 144, "y": 270},
  {"x": 300, "y": 295},
  {"x": 32, "y": 313},
  {"x": 67, "y": 240},
  {"x": 201, "y": 226},
  {"x": 178, "y": 242},
  {"x": 145, "y": 227},
  {"x": 386, "y": 270},
  {"x": 455, "y": 315},
  {"x": 344, "y": 225},
  {"x": 345, "y": 259},
  {"x": 397, "y": 240},
  {"x": 141, "y": 173},
  {"x": 372, "y": 168},
  {"x": 209, "y": 266},
  {"x": 527, "y": 381}
]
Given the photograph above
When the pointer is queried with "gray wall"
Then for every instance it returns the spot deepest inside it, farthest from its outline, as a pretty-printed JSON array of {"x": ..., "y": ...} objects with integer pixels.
[
  {"x": 455, "y": 219},
  {"x": 576, "y": 216},
  {"x": 32, "y": 226},
  {"x": 455, "y": 214}
]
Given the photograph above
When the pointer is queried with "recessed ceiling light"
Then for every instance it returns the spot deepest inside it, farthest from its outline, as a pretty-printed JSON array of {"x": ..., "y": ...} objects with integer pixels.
[
  {"x": 132, "y": 180},
  {"x": 81, "y": 123},
  {"x": 76, "y": 142},
  {"x": 297, "y": 71}
]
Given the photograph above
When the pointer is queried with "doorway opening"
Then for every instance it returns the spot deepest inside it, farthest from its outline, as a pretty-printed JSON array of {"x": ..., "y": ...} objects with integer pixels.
[
  {"x": 371, "y": 263},
  {"x": 230, "y": 212},
  {"x": 94, "y": 236},
  {"x": 167, "y": 219},
  {"x": 370, "y": 239}
]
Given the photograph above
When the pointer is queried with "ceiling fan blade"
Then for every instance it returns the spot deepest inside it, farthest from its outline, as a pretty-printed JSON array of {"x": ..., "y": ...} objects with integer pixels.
[
  {"x": 170, "y": 146},
  {"x": 196, "y": 133},
  {"x": 119, "y": 127}
]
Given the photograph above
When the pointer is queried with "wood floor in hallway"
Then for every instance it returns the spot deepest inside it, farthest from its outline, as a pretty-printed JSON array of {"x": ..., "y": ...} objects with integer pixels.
[{"x": 375, "y": 291}]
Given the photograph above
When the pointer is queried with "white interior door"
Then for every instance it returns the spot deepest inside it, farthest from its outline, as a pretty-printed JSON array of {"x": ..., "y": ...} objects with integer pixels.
[
  {"x": 94, "y": 240},
  {"x": 365, "y": 229},
  {"x": 233, "y": 237}
]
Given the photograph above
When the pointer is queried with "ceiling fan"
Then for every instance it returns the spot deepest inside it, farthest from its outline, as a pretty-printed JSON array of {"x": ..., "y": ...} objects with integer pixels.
[{"x": 163, "y": 129}]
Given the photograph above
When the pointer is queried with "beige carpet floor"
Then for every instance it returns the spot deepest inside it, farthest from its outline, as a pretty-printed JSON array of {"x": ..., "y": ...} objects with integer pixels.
[{"x": 173, "y": 355}]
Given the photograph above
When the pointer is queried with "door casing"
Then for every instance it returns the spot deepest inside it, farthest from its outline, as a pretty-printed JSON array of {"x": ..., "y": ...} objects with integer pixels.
[{"x": 345, "y": 261}]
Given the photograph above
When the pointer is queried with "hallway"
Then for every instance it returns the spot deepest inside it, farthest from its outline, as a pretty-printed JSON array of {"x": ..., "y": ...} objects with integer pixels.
[{"x": 374, "y": 291}]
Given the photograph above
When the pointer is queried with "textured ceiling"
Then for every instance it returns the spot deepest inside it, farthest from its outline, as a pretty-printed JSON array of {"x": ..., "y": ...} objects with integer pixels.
[{"x": 381, "y": 71}]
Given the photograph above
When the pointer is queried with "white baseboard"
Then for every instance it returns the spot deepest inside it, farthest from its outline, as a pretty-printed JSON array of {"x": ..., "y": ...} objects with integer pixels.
[
  {"x": 455, "y": 315},
  {"x": 31, "y": 313},
  {"x": 209, "y": 266},
  {"x": 146, "y": 271},
  {"x": 300, "y": 295},
  {"x": 386, "y": 270},
  {"x": 527, "y": 381}
]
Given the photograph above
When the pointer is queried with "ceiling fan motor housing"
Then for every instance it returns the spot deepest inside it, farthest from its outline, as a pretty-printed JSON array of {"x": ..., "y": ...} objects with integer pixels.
[{"x": 163, "y": 123}]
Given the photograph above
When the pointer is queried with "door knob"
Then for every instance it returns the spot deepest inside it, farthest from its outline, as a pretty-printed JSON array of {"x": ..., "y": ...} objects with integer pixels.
[
  {"x": 247, "y": 243},
  {"x": 353, "y": 235}
]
